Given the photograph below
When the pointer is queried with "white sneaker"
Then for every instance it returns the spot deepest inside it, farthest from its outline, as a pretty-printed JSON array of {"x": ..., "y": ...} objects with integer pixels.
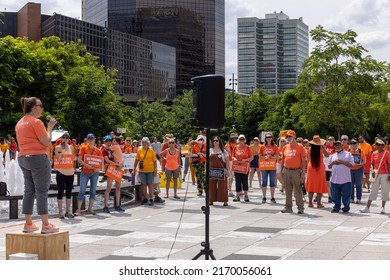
[
  {"x": 383, "y": 210},
  {"x": 365, "y": 210}
]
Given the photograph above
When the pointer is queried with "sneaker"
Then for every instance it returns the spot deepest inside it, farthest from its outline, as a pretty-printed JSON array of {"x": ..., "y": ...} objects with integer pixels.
[
  {"x": 300, "y": 212},
  {"x": 106, "y": 210},
  {"x": 103, "y": 179},
  {"x": 237, "y": 198},
  {"x": 158, "y": 199},
  {"x": 199, "y": 193},
  {"x": 145, "y": 201},
  {"x": 264, "y": 200},
  {"x": 382, "y": 210},
  {"x": 69, "y": 215},
  {"x": 246, "y": 198},
  {"x": 61, "y": 215},
  {"x": 30, "y": 228},
  {"x": 50, "y": 228},
  {"x": 273, "y": 200},
  {"x": 119, "y": 208},
  {"x": 286, "y": 211},
  {"x": 151, "y": 202},
  {"x": 365, "y": 210},
  {"x": 334, "y": 211}
]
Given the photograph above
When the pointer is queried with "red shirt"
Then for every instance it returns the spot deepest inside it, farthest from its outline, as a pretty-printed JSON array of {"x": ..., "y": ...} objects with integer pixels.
[{"x": 376, "y": 159}]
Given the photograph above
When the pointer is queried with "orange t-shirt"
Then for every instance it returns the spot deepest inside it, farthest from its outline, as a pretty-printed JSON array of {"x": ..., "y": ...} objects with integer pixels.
[
  {"x": 130, "y": 149},
  {"x": 197, "y": 149},
  {"x": 87, "y": 150},
  {"x": 365, "y": 147},
  {"x": 363, "y": 158},
  {"x": 241, "y": 153},
  {"x": 28, "y": 131},
  {"x": 376, "y": 160},
  {"x": 268, "y": 150},
  {"x": 230, "y": 148},
  {"x": 292, "y": 155}
]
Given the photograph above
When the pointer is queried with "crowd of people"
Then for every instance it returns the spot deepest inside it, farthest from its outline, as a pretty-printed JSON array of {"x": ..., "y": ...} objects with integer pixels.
[{"x": 319, "y": 167}]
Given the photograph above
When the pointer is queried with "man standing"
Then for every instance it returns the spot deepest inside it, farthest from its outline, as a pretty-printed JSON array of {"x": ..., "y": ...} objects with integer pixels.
[
  {"x": 293, "y": 169},
  {"x": 156, "y": 146},
  {"x": 367, "y": 151},
  {"x": 341, "y": 163}
]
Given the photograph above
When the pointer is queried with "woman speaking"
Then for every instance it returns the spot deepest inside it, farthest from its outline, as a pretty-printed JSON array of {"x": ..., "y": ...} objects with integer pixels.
[{"x": 34, "y": 141}]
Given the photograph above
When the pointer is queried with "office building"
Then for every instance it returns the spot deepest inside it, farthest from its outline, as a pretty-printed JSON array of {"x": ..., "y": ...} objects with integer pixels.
[
  {"x": 145, "y": 68},
  {"x": 196, "y": 28},
  {"x": 271, "y": 52}
]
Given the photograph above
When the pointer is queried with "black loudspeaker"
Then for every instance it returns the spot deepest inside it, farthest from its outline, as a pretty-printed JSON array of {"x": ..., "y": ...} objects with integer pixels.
[{"x": 209, "y": 101}]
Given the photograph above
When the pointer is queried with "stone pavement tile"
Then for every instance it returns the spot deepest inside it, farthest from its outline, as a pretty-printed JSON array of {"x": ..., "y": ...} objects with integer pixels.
[
  {"x": 267, "y": 251},
  {"x": 358, "y": 255},
  {"x": 250, "y": 257},
  {"x": 330, "y": 245},
  {"x": 86, "y": 251},
  {"x": 323, "y": 222},
  {"x": 305, "y": 226},
  {"x": 370, "y": 248},
  {"x": 221, "y": 241},
  {"x": 283, "y": 243},
  {"x": 305, "y": 232},
  {"x": 354, "y": 229},
  {"x": 338, "y": 236},
  {"x": 365, "y": 221},
  {"x": 319, "y": 254},
  {"x": 380, "y": 239},
  {"x": 105, "y": 232},
  {"x": 219, "y": 252},
  {"x": 295, "y": 237},
  {"x": 144, "y": 252}
]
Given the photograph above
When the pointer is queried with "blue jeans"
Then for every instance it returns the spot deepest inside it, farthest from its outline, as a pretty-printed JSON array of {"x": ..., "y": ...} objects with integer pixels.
[
  {"x": 93, "y": 179},
  {"x": 264, "y": 178},
  {"x": 357, "y": 177},
  {"x": 341, "y": 192}
]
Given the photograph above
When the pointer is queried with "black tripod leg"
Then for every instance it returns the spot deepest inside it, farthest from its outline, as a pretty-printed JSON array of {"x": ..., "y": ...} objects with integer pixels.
[{"x": 198, "y": 255}]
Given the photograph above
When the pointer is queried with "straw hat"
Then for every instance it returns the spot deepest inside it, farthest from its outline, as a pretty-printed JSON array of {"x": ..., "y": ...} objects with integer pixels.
[{"x": 317, "y": 141}]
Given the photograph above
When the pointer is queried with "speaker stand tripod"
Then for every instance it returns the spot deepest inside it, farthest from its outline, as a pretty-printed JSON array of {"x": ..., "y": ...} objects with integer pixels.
[{"x": 207, "y": 251}]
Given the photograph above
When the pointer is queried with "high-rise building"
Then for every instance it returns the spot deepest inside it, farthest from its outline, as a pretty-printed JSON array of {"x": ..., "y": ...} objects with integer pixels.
[
  {"x": 196, "y": 28},
  {"x": 145, "y": 68},
  {"x": 271, "y": 52}
]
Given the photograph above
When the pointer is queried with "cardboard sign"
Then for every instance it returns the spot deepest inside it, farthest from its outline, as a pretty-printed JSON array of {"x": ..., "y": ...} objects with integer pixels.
[
  {"x": 163, "y": 181},
  {"x": 67, "y": 162},
  {"x": 240, "y": 167},
  {"x": 217, "y": 173},
  {"x": 267, "y": 164},
  {"x": 129, "y": 160},
  {"x": 115, "y": 173},
  {"x": 97, "y": 162}
]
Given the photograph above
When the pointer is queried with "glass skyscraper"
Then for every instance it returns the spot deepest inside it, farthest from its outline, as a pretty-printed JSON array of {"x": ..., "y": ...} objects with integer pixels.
[
  {"x": 271, "y": 52},
  {"x": 196, "y": 28}
]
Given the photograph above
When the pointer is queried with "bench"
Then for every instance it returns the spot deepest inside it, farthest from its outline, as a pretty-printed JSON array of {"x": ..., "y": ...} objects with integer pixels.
[{"x": 136, "y": 190}]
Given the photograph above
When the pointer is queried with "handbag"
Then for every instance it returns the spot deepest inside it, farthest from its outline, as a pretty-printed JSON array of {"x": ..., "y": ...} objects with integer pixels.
[
  {"x": 3, "y": 189},
  {"x": 141, "y": 162}
]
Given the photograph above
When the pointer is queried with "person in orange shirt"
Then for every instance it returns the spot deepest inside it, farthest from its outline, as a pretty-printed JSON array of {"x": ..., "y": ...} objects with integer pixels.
[
  {"x": 88, "y": 173},
  {"x": 293, "y": 170},
  {"x": 172, "y": 167},
  {"x": 357, "y": 170},
  {"x": 229, "y": 147},
  {"x": 367, "y": 151},
  {"x": 242, "y": 156},
  {"x": 269, "y": 151},
  {"x": 198, "y": 155},
  {"x": 34, "y": 142},
  {"x": 254, "y": 164}
]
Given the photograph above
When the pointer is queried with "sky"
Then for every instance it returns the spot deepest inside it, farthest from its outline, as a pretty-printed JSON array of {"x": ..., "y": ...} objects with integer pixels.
[{"x": 370, "y": 19}]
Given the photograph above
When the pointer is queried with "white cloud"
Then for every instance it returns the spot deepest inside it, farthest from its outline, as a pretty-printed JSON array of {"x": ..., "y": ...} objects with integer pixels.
[{"x": 375, "y": 39}]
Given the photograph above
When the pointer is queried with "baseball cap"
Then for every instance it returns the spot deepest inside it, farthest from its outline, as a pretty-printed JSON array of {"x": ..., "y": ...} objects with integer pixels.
[
  {"x": 291, "y": 133},
  {"x": 90, "y": 136},
  {"x": 338, "y": 142},
  {"x": 107, "y": 138},
  {"x": 379, "y": 141}
]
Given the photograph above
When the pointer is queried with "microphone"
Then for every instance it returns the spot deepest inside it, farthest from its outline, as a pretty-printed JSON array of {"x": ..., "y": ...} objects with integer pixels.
[{"x": 57, "y": 124}]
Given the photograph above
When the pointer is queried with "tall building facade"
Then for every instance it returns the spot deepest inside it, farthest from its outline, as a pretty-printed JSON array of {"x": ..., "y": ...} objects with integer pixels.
[
  {"x": 271, "y": 52},
  {"x": 146, "y": 69},
  {"x": 196, "y": 28}
]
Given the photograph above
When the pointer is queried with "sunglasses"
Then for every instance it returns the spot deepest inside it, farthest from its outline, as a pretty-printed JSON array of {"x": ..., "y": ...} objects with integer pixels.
[
  {"x": 40, "y": 105},
  {"x": 344, "y": 139},
  {"x": 241, "y": 139},
  {"x": 216, "y": 140},
  {"x": 171, "y": 142}
]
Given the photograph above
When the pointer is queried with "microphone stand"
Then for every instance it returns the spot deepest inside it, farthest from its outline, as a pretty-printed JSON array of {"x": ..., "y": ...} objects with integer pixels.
[{"x": 207, "y": 251}]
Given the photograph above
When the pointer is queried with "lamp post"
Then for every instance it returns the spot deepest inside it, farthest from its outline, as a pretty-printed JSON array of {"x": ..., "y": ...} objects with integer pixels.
[{"x": 232, "y": 83}]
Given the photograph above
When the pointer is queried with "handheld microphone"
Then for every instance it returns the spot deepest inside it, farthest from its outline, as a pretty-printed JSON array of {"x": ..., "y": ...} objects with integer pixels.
[{"x": 57, "y": 124}]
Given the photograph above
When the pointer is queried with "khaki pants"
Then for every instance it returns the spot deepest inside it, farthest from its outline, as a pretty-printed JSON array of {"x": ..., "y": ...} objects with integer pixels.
[{"x": 292, "y": 179}]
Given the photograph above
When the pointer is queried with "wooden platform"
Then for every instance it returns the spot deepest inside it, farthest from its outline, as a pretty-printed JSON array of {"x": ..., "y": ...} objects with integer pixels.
[{"x": 52, "y": 246}]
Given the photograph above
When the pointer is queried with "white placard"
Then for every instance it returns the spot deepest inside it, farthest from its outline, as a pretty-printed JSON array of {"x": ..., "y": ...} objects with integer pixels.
[
  {"x": 121, "y": 130},
  {"x": 128, "y": 161}
]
